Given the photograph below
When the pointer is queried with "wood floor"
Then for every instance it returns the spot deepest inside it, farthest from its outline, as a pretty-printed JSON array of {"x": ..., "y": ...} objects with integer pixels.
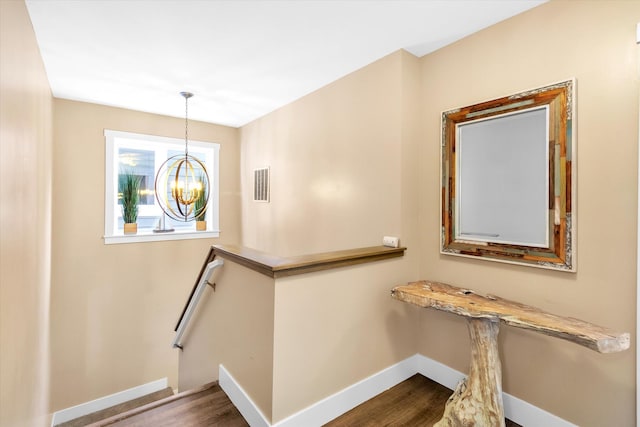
[
  {"x": 417, "y": 401},
  {"x": 207, "y": 406},
  {"x": 118, "y": 409}
]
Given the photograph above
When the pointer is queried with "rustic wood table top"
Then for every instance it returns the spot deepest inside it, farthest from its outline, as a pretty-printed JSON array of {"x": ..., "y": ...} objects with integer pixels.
[{"x": 467, "y": 303}]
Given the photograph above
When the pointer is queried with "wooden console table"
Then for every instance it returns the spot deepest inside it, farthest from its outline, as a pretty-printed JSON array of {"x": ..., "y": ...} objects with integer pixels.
[{"x": 477, "y": 400}]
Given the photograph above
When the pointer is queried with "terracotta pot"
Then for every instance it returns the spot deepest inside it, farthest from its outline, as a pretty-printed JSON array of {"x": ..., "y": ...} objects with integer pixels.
[
  {"x": 130, "y": 228},
  {"x": 201, "y": 225}
]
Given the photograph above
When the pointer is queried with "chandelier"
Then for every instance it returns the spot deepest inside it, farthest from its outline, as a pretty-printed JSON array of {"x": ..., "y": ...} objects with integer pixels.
[{"x": 182, "y": 182}]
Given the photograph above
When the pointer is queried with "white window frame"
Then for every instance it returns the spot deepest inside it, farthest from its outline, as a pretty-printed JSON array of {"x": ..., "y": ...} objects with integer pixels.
[{"x": 114, "y": 140}]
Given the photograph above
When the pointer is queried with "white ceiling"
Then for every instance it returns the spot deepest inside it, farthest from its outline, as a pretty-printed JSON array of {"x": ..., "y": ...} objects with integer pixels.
[{"x": 242, "y": 59}]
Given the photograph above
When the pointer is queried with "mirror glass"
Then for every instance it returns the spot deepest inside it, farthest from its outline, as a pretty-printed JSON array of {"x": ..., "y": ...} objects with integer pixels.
[
  {"x": 503, "y": 182},
  {"x": 506, "y": 179}
]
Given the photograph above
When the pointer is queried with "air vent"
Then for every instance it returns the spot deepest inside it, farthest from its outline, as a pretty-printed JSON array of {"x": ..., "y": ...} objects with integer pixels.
[{"x": 261, "y": 185}]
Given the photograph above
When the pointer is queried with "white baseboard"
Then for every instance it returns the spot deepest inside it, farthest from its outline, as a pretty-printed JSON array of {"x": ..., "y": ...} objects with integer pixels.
[
  {"x": 438, "y": 372},
  {"x": 251, "y": 413},
  {"x": 515, "y": 409},
  {"x": 101, "y": 403},
  {"x": 337, "y": 404}
]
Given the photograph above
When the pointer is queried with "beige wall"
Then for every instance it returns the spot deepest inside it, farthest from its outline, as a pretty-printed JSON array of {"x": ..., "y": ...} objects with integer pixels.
[
  {"x": 233, "y": 326},
  {"x": 343, "y": 169},
  {"x": 344, "y": 172},
  {"x": 593, "y": 41},
  {"x": 293, "y": 341},
  {"x": 335, "y": 328},
  {"x": 114, "y": 307},
  {"x": 25, "y": 221}
]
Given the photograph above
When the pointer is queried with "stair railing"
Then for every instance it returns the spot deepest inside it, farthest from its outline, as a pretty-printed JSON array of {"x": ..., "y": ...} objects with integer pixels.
[{"x": 194, "y": 298}]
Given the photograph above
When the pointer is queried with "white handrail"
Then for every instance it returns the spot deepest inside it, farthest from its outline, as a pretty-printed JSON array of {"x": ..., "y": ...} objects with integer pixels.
[{"x": 193, "y": 303}]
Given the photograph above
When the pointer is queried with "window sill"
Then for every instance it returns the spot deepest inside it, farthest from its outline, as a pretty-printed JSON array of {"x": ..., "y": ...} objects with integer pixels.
[{"x": 149, "y": 236}]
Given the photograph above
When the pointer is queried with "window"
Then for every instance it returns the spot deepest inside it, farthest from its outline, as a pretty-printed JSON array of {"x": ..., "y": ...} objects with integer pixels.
[{"x": 142, "y": 155}]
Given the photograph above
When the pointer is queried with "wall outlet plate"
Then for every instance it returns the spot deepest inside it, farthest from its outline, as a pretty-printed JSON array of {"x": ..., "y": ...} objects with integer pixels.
[{"x": 392, "y": 242}]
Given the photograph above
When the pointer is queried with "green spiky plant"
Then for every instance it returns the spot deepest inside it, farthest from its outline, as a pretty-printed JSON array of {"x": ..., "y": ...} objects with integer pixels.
[
  {"x": 201, "y": 202},
  {"x": 129, "y": 188}
]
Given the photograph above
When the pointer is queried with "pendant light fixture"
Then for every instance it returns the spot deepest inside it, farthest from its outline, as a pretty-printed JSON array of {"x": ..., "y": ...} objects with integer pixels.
[{"x": 182, "y": 181}]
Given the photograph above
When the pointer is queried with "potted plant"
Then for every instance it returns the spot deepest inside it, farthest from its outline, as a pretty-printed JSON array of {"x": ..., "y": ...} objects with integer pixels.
[
  {"x": 129, "y": 188},
  {"x": 200, "y": 206}
]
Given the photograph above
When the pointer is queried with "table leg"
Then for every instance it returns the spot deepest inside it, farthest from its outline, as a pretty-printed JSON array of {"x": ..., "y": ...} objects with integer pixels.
[{"x": 477, "y": 400}]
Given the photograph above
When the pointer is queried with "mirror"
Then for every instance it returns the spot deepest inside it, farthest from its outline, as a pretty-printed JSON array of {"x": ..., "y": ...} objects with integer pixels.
[{"x": 507, "y": 177}]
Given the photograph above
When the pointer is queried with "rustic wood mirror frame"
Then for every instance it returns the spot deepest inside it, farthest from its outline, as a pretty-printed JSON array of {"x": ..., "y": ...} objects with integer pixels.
[{"x": 558, "y": 250}]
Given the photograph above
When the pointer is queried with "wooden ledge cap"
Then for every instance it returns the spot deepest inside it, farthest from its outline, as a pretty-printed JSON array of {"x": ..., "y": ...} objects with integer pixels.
[
  {"x": 275, "y": 266},
  {"x": 467, "y": 303}
]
